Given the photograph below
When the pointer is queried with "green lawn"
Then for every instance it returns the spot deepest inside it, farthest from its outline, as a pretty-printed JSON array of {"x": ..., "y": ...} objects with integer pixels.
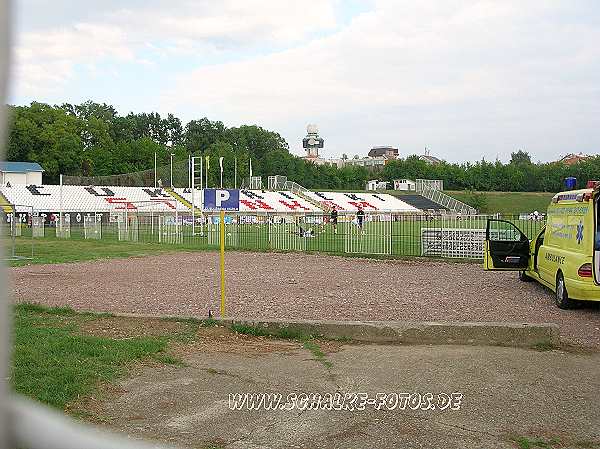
[
  {"x": 508, "y": 202},
  {"x": 54, "y": 363},
  {"x": 53, "y": 250}
]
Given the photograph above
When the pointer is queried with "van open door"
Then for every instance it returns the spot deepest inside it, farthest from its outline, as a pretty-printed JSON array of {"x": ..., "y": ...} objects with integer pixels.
[
  {"x": 596, "y": 259},
  {"x": 506, "y": 247}
]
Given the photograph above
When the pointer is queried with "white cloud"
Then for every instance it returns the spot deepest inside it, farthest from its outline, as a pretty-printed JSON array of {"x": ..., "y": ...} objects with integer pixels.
[
  {"x": 46, "y": 59},
  {"x": 231, "y": 22},
  {"x": 494, "y": 61},
  {"x": 463, "y": 77}
]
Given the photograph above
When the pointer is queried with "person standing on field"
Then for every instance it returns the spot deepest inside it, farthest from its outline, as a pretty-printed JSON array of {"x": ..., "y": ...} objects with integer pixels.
[
  {"x": 360, "y": 218},
  {"x": 334, "y": 219}
]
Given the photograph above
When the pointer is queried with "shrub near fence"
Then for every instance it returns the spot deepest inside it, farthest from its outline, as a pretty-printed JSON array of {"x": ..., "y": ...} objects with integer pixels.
[{"x": 381, "y": 234}]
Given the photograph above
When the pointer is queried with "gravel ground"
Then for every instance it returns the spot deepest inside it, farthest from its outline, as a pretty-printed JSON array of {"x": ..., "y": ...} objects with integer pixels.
[{"x": 302, "y": 286}]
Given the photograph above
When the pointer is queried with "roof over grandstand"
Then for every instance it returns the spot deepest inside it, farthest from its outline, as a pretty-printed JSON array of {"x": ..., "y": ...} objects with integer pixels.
[{"x": 20, "y": 167}]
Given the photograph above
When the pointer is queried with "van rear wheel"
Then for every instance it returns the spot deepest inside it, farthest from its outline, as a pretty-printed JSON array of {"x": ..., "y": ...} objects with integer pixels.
[{"x": 562, "y": 297}]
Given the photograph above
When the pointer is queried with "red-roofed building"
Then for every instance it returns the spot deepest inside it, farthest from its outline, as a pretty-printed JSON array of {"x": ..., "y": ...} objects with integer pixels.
[{"x": 572, "y": 158}]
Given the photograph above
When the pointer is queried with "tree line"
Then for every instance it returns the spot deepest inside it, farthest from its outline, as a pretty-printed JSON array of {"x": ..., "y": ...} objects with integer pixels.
[{"x": 93, "y": 139}]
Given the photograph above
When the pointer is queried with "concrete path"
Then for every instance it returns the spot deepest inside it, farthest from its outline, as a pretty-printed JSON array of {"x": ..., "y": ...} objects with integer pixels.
[{"x": 507, "y": 394}]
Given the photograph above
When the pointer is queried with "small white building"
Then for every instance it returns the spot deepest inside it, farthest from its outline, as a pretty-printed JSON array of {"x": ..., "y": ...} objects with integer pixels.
[
  {"x": 404, "y": 184},
  {"x": 375, "y": 184},
  {"x": 20, "y": 173}
]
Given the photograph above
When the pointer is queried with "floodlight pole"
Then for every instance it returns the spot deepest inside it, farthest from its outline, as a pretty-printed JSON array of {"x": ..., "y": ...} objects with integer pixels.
[
  {"x": 172, "y": 170},
  {"x": 201, "y": 194},
  {"x": 155, "y": 169},
  {"x": 193, "y": 186},
  {"x": 60, "y": 213}
]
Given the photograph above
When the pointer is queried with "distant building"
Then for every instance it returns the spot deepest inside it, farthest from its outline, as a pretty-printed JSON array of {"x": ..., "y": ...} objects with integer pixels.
[
  {"x": 375, "y": 184},
  {"x": 571, "y": 158},
  {"x": 430, "y": 159},
  {"x": 386, "y": 152},
  {"x": 427, "y": 157},
  {"x": 404, "y": 184},
  {"x": 24, "y": 173},
  {"x": 365, "y": 162},
  {"x": 312, "y": 142}
]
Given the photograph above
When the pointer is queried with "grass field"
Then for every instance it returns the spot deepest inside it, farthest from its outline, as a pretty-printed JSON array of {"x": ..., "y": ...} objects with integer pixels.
[
  {"x": 55, "y": 362},
  {"x": 394, "y": 239},
  {"x": 508, "y": 202},
  {"x": 53, "y": 250}
]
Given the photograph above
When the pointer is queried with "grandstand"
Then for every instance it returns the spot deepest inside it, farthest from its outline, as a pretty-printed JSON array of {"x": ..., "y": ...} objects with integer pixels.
[
  {"x": 90, "y": 199},
  {"x": 48, "y": 198},
  {"x": 257, "y": 201},
  {"x": 370, "y": 202}
]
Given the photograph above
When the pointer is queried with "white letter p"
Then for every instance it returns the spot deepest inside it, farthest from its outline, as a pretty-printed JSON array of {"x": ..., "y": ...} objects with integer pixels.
[{"x": 220, "y": 197}]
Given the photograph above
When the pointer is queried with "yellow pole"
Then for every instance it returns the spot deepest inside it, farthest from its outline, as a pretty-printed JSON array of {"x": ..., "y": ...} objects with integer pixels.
[{"x": 222, "y": 229}]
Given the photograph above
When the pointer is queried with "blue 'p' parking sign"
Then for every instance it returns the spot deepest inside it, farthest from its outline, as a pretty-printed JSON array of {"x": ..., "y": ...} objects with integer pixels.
[{"x": 221, "y": 199}]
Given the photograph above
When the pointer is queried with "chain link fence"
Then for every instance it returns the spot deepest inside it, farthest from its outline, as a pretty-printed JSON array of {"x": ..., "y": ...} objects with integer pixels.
[{"x": 384, "y": 234}]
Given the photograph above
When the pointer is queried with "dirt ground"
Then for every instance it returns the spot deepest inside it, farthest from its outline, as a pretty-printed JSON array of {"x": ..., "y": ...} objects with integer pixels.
[
  {"x": 302, "y": 286},
  {"x": 510, "y": 397}
]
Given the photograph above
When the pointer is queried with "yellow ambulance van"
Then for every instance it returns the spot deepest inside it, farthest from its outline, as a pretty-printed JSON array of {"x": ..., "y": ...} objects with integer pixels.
[{"x": 565, "y": 254}]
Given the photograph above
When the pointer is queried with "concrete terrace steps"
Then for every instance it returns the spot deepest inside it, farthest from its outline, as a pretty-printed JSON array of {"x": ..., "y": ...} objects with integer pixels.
[{"x": 420, "y": 202}]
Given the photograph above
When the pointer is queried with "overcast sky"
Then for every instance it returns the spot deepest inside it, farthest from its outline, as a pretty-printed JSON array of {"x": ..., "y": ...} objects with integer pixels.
[{"x": 466, "y": 79}]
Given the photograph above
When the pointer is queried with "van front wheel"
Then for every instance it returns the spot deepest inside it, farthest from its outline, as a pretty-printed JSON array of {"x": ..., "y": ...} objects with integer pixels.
[{"x": 562, "y": 297}]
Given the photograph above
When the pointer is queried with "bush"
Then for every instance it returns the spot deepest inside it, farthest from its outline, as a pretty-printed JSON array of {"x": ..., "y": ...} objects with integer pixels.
[{"x": 477, "y": 200}]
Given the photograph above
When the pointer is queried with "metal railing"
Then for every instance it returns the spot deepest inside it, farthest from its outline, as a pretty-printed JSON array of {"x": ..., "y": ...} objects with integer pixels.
[
  {"x": 294, "y": 187},
  {"x": 394, "y": 235},
  {"x": 301, "y": 191},
  {"x": 447, "y": 201}
]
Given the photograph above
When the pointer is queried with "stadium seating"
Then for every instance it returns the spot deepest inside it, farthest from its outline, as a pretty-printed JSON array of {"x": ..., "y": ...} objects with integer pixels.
[
  {"x": 350, "y": 202},
  {"x": 281, "y": 201},
  {"x": 47, "y": 198},
  {"x": 261, "y": 201}
]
